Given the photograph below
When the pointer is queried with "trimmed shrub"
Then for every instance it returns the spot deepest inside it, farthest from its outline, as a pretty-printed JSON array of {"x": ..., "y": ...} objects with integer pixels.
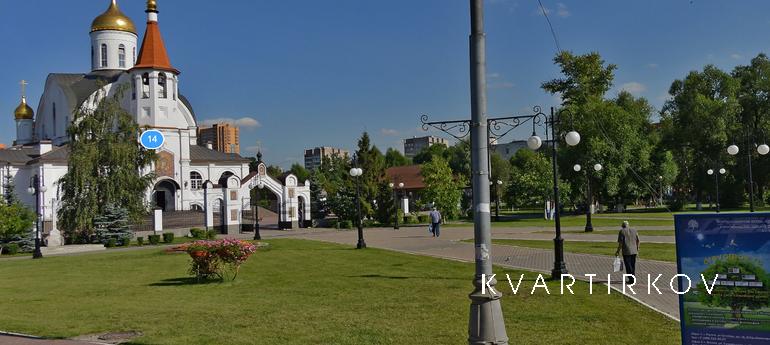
[
  {"x": 111, "y": 242},
  {"x": 423, "y": 218},
  {"x": 10, "y": 249},
  {"x": 126, "y": 241},
  {"x": 211, "y": 234},
  {"x": 345, "y": 224},
  {"x": 197, "y": 233},
  {"x": 168, "y": 237},
  {"x": 154, "y": 239},
  {"x": 140, "y": 241}
]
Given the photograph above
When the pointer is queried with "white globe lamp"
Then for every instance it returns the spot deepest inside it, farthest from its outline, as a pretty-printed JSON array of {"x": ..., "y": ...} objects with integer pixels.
[
  {"x": 710, "y": 172},
  {"x": 572, "y": 138},
  {"x": 722, "y": 171},
  {"x": 763, "y": 149},
  {"x": 598, "y": 167},
  {"x": 732, "y": 150},
  {"x": 534, "y": 142},
  {"x": 576, "y": 167}
]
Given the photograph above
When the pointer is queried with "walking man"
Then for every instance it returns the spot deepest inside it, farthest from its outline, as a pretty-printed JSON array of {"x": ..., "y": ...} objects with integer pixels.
[
  {"x": 435, "y": 222},
  {"x": 628, "y": 243}
]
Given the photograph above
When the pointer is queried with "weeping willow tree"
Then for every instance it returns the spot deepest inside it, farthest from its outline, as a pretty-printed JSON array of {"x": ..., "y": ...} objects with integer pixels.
[{"x": 104, "y": 168}]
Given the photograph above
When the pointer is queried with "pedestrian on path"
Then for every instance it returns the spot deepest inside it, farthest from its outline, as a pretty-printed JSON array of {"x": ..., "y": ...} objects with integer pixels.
[
  {"x": 435, "y": 222},
  {"x": 628, "y": 243}
]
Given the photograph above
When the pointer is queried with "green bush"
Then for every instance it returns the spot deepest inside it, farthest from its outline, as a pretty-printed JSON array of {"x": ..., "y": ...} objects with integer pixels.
[
  {"x": 345, "y": 224},
  {"x": 111, "y": 242},
  {"x": 211, "y": 234},
  {"x": 168, "y": 237},
  {"x": 197, "y": 233},
  {"x": 423, "y": 218},
  {"x": 10, "y": 248},
  {"x": 154, "y": 239},
  {"x": 140, "y": 241},
  {"x": 125, "y": 241},
  {"x": 412, "y": 219}
]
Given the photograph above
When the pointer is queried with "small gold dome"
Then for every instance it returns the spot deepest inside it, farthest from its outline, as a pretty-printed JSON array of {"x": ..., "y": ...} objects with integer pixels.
[
  {"x": 23, "y": 111},
  {"x": 113, "y": 19}
]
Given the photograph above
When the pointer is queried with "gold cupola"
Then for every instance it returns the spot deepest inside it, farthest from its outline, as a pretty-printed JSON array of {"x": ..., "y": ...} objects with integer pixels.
[
  {"x": 113, "y": 19},
  {"x": 23, "y": 111}
]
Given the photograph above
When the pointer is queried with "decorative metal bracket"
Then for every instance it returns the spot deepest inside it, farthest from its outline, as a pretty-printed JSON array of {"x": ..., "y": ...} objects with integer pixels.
[{"x": 497, "y": 127}]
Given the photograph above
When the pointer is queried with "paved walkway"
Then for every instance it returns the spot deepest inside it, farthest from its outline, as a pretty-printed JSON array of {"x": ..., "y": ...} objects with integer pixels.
[
  {"x": 416, "y": 240},
  {"x": 8, "y": 339}
]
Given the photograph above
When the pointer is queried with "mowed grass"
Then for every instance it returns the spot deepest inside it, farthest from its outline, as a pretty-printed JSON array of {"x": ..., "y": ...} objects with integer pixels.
[
  {"x": 651, "y": 251},
  {"x": 302, "y": 292},
  {"x": 571, "y": 221},
  {"x": 614, "y": 232}
]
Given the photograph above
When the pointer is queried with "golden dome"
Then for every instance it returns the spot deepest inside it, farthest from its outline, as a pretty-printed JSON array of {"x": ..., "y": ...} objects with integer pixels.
[
  {"x": 23, "y": 111},
  {"x": 113, "y": 19}
]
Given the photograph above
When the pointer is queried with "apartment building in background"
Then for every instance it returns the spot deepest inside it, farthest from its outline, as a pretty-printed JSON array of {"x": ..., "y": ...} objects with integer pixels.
[
  {"x": 414, "y": 145},
  {"x": 315, "y": 156},
  {"x": 223, "y": 137}
]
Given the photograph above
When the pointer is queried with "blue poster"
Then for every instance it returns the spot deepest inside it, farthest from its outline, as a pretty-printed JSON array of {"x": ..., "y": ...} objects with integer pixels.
[{"x": 724, "y": 266}]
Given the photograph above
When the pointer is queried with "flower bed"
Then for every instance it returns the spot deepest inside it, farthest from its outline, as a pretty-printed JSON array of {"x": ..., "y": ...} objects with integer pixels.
[{"x": 218, "y": 258}]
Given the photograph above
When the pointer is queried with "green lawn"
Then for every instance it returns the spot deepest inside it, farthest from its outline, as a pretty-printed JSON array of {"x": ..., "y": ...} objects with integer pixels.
[
  {"x": 573, "y": 221},
  {"x": 652, "y": 251},
  {"x": 301, "y": 292},
  {"x": 615, "y": 232}
]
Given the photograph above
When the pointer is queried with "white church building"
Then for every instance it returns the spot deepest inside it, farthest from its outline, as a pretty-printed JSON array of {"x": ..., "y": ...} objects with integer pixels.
[{"x": 189, "y": 177}]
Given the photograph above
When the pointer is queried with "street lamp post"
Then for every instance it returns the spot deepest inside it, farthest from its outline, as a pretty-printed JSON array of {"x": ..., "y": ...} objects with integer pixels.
[
  {"x": 257, "y": 235},
  {"x": 35, "y": 188},
  {"x": 356, "y": 172},
  {"x": 722, "y": 171},
  {"x": 660, "y": 187},
  {"x": 396, "y": 206},
  {"x": 762, "y": 149},
  {"x": 589, "y": 196},
  {"x": 497, "y": 201}
]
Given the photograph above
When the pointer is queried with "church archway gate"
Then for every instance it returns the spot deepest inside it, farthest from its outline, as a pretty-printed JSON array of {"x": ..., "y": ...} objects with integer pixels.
[{"x": 287, "y": 194}]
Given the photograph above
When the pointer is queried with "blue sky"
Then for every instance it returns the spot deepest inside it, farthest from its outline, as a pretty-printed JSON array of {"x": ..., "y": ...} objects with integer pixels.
[{"x": 315, "y": 73}]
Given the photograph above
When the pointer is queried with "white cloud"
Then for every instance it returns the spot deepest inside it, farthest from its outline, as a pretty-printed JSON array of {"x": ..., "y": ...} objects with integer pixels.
[
  {"x": 389, "y": 132},
  {"x": 634, "y": 87},
  {"x": 243, "y": 122},
  {"x": 652, "y": 65},
  {"x": 493, "y": 75},
  {"x": 736, "y": 56},
  {"x": 562, "y": 11}
]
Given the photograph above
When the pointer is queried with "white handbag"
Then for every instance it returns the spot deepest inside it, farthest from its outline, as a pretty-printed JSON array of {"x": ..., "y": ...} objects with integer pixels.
[{"x": 617, "y": 266}]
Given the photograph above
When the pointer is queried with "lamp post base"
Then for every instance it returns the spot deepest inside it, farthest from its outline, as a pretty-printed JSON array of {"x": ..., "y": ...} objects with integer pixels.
[
  {"x": 37, "y": 254},
  {"x": 589, "y": 228},
  {"x": 485, "y": 325},
  {"x": 559, "y": 266},
  {"x": 361, "y": 244},
  {"x": 257, "y": 236}
]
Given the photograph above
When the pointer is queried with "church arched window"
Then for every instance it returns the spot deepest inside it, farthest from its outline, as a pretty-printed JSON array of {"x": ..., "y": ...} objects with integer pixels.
[
  {"x": 104, "y": 55},
  {"x": 146, "y": 85},
  {"x": 196, "y": 180},
  {"x": 162, "y": 83},
  {"x": 122, "y": 56}
]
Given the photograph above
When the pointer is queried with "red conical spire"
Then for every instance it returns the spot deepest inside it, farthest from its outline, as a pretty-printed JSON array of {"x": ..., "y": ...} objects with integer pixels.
[{"x": 153, "y": 54}]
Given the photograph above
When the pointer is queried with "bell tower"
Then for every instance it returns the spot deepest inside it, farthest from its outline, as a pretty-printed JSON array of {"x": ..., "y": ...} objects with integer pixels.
[{"x": 154, "y": 81}]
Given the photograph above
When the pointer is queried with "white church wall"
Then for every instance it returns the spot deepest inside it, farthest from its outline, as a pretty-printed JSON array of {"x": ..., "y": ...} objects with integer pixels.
[{"x": 48, "y": 126}]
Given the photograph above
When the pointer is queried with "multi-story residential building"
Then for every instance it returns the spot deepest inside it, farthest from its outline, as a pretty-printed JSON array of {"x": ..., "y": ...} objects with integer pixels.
[
  {"x": 414, "y": 145},
  {"x": 222, "y": 136},
  {"x": 315, "y": 156}
]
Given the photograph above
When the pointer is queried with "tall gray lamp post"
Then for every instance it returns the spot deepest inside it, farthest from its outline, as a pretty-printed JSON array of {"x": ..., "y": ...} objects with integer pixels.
[
  {"x": 356, "y": 173},
  {"x": 486, "y": 325}
]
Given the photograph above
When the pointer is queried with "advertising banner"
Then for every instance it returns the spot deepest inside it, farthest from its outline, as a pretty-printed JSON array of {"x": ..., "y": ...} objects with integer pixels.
[{"x": 724, "y": 282}]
